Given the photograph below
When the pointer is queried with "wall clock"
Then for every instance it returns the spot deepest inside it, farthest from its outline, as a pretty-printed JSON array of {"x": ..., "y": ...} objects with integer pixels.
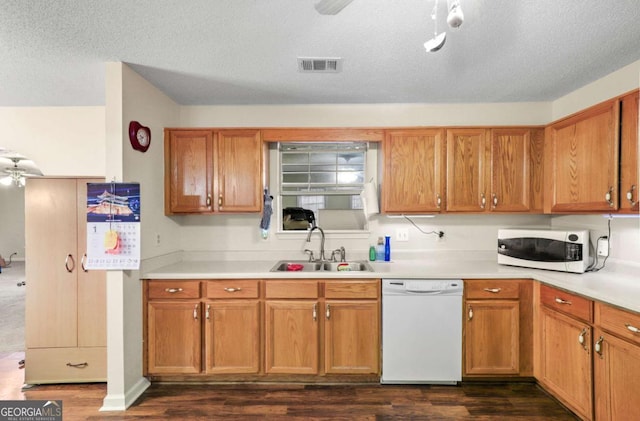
[{"x": 140, "y": 136}]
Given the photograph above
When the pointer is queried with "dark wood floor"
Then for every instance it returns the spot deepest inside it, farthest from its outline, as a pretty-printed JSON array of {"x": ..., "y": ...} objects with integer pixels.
[{"x": 471, "y": 401}]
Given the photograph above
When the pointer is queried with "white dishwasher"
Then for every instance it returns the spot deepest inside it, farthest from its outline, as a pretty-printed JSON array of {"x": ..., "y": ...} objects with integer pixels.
[{"x": 421, "y": 331}]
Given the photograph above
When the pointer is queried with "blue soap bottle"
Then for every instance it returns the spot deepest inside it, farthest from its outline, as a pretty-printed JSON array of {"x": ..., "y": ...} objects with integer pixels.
[{"x": 387, "y": 249}]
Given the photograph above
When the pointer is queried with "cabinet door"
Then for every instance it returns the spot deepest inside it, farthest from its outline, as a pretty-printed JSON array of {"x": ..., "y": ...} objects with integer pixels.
[
  {"x": 232, "y": 335},
  {"x": 352, "y": 338},
  {"x": 492, "y": 337},
  {"x": 413, "y": 171},
  {"x": 92, "y": 288},
  {"x": 240, "y": 181},
  {"x": 174, "y": 339},
  {"x": 466, "y": 172},
  {"x": 51, "y": 234},
  {"x": 291, "y": 337},
  {"x": 188, "y": 171},
  {"x": 617, "y": 378},
  {"x": 581, "y": 169},
  {"x": 510, "y": 170},
  {"x": 629, "y": 178},
  {"x": 566, "y": 361}
]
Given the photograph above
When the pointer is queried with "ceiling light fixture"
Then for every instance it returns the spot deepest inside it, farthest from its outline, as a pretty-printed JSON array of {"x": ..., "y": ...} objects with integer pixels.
[
  {"x": 438, "y": 40},
  {"x": 17, "y": 175},
  {"x": 331, "y": 7}
]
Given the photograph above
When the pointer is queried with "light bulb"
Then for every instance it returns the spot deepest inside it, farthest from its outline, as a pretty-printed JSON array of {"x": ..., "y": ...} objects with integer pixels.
[
  {"x": 455, "y": 18},
  {"x": 6, "y": 181},
  {"x": 436, "y": 42}
]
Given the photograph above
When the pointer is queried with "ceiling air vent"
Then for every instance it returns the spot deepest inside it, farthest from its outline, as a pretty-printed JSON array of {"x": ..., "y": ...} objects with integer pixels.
[{"x": 319, "y": 65}]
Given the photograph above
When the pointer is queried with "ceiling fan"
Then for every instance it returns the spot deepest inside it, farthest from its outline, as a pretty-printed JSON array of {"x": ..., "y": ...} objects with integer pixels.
[
  {"x": 17, "y": 174},
  {"x": 331, "y": 7}
]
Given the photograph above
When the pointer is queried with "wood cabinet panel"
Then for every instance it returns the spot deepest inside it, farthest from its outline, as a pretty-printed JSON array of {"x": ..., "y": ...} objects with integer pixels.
[
  {"x": 174, "y": 338},
  {"x": 492, "y": 337},
  {"x": 566, "y": 368},
  {"x": 616, "y": 378},
  {"x": 581, "y": 166},
  {"x": 352, "y": 337},
  {"x": 567, "y": 303},
  {"x": 188, "y": 171},
  {"x": 629, "y": 177},
  {"x": 291, "y": 289},
  {"x": 291, "y": 337},
  {"x": 232, "y": 335},
  {"x": 492, "y": 289},
  {"x": 413, "y": 178},
  {"x": 620, "y": 322},
  {"x": 233, "y": 288},
  {"x": 173, "y": 289},
  {"x": 510, "y": 172},
  {"x": 239, "y": 163},
  {"x": 361, "y": 289},
  {"x": 466, "y": 172},
  {"x": 66, "y": 365}
]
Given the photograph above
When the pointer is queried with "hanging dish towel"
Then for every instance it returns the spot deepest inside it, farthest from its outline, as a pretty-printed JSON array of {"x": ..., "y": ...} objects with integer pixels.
[{"x": 267, "y": 210}]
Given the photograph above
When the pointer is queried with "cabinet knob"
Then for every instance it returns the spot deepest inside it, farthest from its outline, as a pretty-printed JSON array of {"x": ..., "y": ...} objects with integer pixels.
[
  {"x": 438, "y": 201},
  {"x": 561, "y": 301},
  {"x": 582, "y": 338},
  {"x": 208, "y": 200},
  {"x": 493, "y": 290},
  {"x": 173, "y": 290},
  {"x": 630, "y": 195},
  {"x": 328, "y": 312},
  {"x": 632, "y": 328},
  {"x": 78, "y": 365},
  {"x": 315, "y": 312},
  {"x": 207, "y": 312},
  {"x": 483, "y": 201},
  {"x": 195, "y": 312},
  {"x": 233, "y": 289},
  {"x": 598, "y": 346},
  {"x": 220, "y": 200},
  {"x": 470, "y": 313},
  {"x": 82, "y": 262},
  {"x": 609, "y": 197},
  {"x": 494, "y": 200}
]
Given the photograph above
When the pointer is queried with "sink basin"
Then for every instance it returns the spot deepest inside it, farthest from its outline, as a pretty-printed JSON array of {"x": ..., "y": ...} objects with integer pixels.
[
  {"x": 347, "y": 266},
  {"x": 296, "y": 266},
  {"x": 306, "y": 266}
]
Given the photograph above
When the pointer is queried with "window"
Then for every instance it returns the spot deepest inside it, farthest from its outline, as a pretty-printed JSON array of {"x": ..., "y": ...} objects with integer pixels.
[{"x": 325, "y": 178}]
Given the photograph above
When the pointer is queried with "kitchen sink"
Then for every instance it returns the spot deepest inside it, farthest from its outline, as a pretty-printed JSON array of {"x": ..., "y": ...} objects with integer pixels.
[
  {"x": 347, "y": 266},
  {"x": 306, "y": 266}
]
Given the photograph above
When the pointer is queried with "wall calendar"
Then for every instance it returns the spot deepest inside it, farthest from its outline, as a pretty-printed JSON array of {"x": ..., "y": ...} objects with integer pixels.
[{"x": 113, "y": 226}]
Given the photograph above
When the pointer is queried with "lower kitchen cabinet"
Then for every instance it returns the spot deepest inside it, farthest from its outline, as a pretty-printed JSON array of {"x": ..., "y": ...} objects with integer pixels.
[
  {"x": 260, "y": 330},
  {"x": 497, "y": 328},
  {"x": 616, "y": 363},
  {"x": 565, "y": 349},
  {"x": 291, "y": 337},
  {"x": 352, "y": 327},
  {"x": 174, "y": 337}
]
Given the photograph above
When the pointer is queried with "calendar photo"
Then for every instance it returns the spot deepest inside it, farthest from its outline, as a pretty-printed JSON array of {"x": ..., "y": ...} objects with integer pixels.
[{"x": 113, "y": 226}]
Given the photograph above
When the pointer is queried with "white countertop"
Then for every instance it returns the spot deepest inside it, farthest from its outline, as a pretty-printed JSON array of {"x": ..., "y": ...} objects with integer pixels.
[{"x": 616, "y": 284}]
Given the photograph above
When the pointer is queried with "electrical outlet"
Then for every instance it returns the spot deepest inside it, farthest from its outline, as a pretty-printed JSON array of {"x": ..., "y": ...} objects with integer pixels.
[
  {"x": 603, "y": 247},
  {"x": 402, "y": 234},
  {"x": 157, "y": 239}
]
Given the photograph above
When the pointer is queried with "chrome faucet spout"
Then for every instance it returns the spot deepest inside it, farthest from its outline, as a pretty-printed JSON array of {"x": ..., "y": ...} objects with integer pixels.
[{"x": 321, "y": 258}]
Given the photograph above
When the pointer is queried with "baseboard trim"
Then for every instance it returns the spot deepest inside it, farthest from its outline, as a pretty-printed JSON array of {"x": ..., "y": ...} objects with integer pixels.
[{"x": 122, "y": 401}]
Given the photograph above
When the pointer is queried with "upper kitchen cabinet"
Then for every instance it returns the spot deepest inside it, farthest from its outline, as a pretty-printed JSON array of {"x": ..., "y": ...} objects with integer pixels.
[
  {"x": 581, "y": 161},
  {"x": 495, "y": 170},
  {"x": 209, "y": 171},
  {"x": 629, "y": 178},
  {"x": 413, "y": 179}
]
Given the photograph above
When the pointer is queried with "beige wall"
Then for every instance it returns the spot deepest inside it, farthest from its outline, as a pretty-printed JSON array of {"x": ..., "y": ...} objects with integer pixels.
[{"x": 12, "y": 222}]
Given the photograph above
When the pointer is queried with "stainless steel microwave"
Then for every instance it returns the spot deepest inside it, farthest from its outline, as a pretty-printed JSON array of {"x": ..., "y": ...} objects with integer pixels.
[{"x": 566, "y": 251}]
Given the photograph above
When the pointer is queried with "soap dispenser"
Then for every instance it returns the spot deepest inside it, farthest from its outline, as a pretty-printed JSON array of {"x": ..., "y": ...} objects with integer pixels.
[{"x": 380, "y": 250}]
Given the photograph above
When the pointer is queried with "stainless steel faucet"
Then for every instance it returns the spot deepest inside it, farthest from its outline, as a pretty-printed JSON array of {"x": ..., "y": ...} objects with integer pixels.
[{"x": 322, "y": 258}]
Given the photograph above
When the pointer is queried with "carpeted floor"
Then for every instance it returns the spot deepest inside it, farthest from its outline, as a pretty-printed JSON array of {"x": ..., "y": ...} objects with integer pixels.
[{"x": 12, "y": 308}]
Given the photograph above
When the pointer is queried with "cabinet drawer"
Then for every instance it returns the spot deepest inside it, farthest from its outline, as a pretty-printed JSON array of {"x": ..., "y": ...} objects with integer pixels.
[
  {"x": 291, "y": 289},
  {"x": 174, "y": 289},
  {"x": 564, "y": 302},
  {"x": 364, "y": 289},
  {"x": 65, "y": 365},
  {"x": 619, "y": 322},
  {"x": 492, "y": 289},
  {"x": 230, "y": 288}
]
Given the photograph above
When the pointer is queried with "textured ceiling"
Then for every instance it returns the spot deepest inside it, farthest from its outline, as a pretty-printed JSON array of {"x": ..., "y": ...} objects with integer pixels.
[{"x": 205, "y": 52}]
